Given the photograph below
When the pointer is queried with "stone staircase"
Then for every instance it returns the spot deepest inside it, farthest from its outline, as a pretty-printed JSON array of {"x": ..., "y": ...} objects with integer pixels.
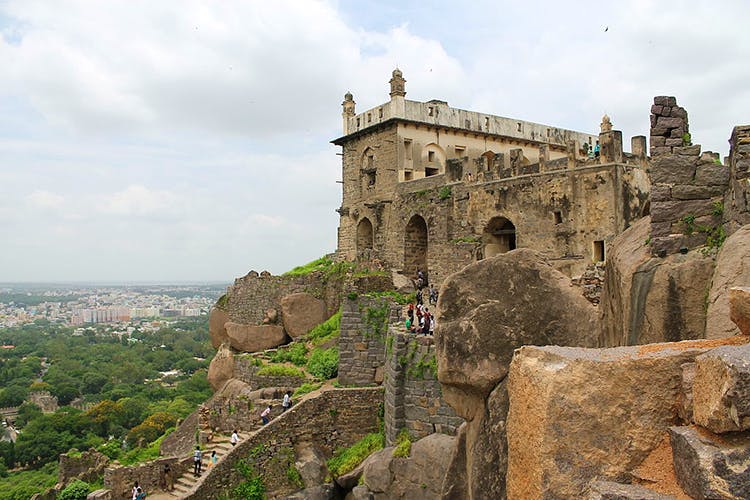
[{"x": 185, "y": 483}]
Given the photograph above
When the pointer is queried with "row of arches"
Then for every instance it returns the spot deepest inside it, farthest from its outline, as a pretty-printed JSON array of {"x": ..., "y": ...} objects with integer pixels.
[{"x": 498, "y": 236}]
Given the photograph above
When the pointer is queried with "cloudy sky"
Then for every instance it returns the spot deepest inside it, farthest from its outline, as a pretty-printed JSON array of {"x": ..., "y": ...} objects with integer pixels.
[{"x": 189, "y": 140}]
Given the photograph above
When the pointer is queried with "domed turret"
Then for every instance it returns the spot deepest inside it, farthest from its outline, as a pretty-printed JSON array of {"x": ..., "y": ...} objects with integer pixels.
[{"x": 398, "y": 84}]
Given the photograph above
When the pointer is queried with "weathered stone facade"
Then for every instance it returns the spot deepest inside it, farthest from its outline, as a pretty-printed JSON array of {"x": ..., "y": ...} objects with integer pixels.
[
  {"x": 364, "y": 324},
  {"x": 413, "y": 397},
  {"x": 430, "y": 187}
]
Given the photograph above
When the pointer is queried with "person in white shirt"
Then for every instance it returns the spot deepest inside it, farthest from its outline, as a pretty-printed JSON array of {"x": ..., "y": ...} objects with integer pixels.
[
  {"x": 287, "y": 402},
  {"x": 235, "y": 438}
]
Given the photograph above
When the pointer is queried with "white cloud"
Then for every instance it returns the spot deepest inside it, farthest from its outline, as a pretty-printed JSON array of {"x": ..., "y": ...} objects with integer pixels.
[
  {"x": 45, "y": 199},
  {"x": 138, "y": 200}
]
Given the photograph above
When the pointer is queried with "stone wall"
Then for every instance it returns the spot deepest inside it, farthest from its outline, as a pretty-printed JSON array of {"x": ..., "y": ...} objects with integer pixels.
[
  {"x": 364, "y": 324},
  {"x": 738, "y": 198},
  {"x": 413, "y": 397},
  {"x": 687, "y": 200},
  {"x": 333, "y": 419},
  {"x": 669, "y": 124},
  {"x": 150, "y": 476},
  {"x": 182, "y": 440},
  {"x": 86, "y": 467}
]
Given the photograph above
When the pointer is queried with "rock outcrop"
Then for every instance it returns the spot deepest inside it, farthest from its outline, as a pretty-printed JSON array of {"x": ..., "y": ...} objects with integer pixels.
[
  {"x": 581, "y": 414},
  {"x": 732, "y": 269},
  {"x": 254, "y": 338},
  {"x": 300, "y": 312},
  {"x": 485, "y": 312},
  {"x": 217, "y": 318},
  {"x": 221, "y": 368},
  {"x": 739, "y": 308},
  {"x": 721, "y": 390}
]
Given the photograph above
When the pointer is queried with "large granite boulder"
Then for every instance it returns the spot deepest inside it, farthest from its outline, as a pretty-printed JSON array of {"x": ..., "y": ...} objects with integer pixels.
[
  {"x": 732, "y": 269},
  {"x": 581, "y": 414},
  {"x": 485, "y": 312},
  {"x": 608, "y": 490},
  {"x": 221, "y": 368},
  {"x": 300, "y": 312},
  {"x": 254, "y": 338},
  {"x": 739, "y": 308},
  {"x": 721, "y": 389},
  {"x": 647, "y": 299},
  {"x": 710, "y": 466},
  {"x": 217, "y": 318}
]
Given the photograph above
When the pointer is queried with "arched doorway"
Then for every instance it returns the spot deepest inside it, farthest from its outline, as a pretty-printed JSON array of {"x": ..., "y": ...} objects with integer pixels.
[
  {"x": 364, "y": 238},
  {"x": 499, "y": 236},
  {"x": 415, "y": 246}
]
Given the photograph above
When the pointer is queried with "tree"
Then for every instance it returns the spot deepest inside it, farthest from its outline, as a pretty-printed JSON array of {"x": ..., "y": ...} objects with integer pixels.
[
  {"x": 13, "y": 395},
  {"x": 26, "y": 413}
]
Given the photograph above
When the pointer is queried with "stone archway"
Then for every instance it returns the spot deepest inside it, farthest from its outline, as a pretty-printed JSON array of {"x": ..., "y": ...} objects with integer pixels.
[
  {"x": 499, "y": 236},
  {"x": 415, "y": 246},
  {"x": 365, "y": 238}
]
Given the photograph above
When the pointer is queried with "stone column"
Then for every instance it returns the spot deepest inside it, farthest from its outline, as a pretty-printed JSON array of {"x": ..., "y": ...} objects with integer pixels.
[{"x": 669, "y": 126}]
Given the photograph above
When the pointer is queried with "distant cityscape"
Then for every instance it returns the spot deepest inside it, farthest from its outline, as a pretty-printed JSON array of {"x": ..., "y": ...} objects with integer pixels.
[{"x": 80, "y": 305}]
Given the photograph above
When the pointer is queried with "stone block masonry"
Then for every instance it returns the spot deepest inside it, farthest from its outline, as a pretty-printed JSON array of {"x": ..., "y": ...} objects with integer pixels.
[
  {"x": 738, "y": 198},
  {"x": 413, "y": 398},
  {"x": 669, "y": 126},
  {"x": 331, "y": 420},
  {"x": 364, "y": 326}
]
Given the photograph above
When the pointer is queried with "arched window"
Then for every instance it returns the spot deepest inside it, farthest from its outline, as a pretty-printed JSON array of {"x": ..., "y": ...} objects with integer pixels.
[
  {"x": 489, "y": 159},
  {"x": 364, "y": 238},
  {"x": 415, "y": 246},
  {"x": 368, "y": 168},
  {"x": 499, "y": 236}
]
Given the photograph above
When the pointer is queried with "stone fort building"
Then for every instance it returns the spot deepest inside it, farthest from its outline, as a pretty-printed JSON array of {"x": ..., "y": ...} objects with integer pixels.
[{"x": 431, "y": 187}]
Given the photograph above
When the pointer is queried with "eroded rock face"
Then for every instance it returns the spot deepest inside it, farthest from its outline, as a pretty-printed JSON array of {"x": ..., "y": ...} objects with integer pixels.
[
  {"x": 739, "y": 308},
  {"x": 732, "y": 269},
  {"x": 580, "y": 414},
  {"x": 254, "y": 338},
  {"x": 647, "y": 299},
  {"x": 608, "y": 490},
  {"x": 721, "y": 389},
  {"x": 221, "y": 368},
  {"x": 708, "y": 466},
  {"x": 485, "y": 312},
  {"x": 216, "y": 330},
  {"x": 300, "y": 312}
]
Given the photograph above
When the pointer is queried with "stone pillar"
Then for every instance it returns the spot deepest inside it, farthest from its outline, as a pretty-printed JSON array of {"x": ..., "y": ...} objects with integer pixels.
[
  {"x": 669, "y": 126},
  {"x": 638, "y": 146},
  {"x": 610, "y": 142},
  {"x": 543, "y": 157},
  {"x": 516, "y": 161},
  {"x": 572, "y": 149},
  {"x": 398, "y": 93}
]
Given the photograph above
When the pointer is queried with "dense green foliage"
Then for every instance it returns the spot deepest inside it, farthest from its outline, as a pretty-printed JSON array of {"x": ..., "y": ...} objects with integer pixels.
[
  {"x": 252, "y": 488},
  {"x": 280, "y": 371},
  {"x": 24, "y": 484},
  {"x": 77, "y": 490},
  {"x": 324, "y": 363},
  {"x": 306, "y": 388},
  {"x": 403, "y": 444},
  {"x": 295, "y": 353},
  {"x": 347, "y": 459},
  {"x": 328, "y": 330},
  {"x": 118, "y": 379}
]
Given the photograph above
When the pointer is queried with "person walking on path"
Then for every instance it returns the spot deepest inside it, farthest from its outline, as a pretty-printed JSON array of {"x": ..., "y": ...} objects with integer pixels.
[
  {"x": 287, "y": 402},
  {"x": 235, "y": 438},
  {"x": 212, "y": 461},
  {"x": 136, "y": 487},
  {"x": 197, "y": 461},
  {"x": 264, "y": 415},
  {"x": 168, "y": 479}
]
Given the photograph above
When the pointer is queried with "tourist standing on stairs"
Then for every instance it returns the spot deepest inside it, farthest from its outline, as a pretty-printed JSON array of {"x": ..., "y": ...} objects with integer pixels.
[
  {"x": 264, "y": 415},
  {"x": 212, "y": 461},
  {"x": 197, "y": 461},
  {"x": 287, "y": 402},
  {"x": 235, "y": 438}
]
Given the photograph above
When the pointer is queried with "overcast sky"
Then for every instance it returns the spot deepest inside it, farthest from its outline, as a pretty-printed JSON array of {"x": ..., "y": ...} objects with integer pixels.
[{"x": 189, "y": 140}]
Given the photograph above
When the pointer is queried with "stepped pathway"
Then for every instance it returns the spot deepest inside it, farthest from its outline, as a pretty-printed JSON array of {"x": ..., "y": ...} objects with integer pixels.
[{"x": 185, "y": 483}]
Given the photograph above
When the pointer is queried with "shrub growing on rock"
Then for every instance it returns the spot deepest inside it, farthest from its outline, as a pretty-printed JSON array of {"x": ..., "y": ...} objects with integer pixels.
[{"x": 324, "y": 364}]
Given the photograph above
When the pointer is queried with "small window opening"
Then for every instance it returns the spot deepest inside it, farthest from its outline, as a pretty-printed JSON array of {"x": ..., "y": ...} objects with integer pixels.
[
  {"x": 549, "y": 133},
  {"x": 371, "y": 179},
  {"x": 408, "y": 175},
  {"x": 467, "y": 123},
  {"x": 407, "y": 149},
  {"x": 370, "y": 161},
  {"x": 519, "y": 126},
  {"x": 430, "y": 156},
  {"x": 369, "y": 117},
  {"x": 460, "y": 150},
  {"x": 430, "y": 111},
  {"x": 558, "y": 217},
  {"x": 599, "y": 251},
  {"x": 380, "y": 113},
  {"x": 430, "y": 171},
  {"x": 487, "y": 123},
  {"x": 357, "y": 122}
]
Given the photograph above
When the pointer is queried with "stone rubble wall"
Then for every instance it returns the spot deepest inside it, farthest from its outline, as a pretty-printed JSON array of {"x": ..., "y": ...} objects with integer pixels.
[
  {"x": 331, "y": 420},
  {"x": 364, "y": 323},
  {"x": 669, "y": 124},
  {"x": 413, "y": 396},
  {"x": 591, "y": 282},
  {"x": 687, "y": 199},
  {"x": 738, "y": 198},
  {"x": 87, "y": 467},
  {"x": 150, "y": 476}
]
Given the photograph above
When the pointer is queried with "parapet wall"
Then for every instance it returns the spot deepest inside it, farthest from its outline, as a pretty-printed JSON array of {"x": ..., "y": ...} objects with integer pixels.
[
  {"x": 333, "y": 419},
  {"x": 413, "y": 397},
  {"x": 364, "y": 325}
]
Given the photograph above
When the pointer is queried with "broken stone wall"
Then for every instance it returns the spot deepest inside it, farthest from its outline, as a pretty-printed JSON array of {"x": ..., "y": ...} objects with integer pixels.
[
  {"x": 364, "y": 323},
  {"x": 738, "y": 197},
  {"x": 669, "y": 126},
  {"x": 413, "y": 396}
]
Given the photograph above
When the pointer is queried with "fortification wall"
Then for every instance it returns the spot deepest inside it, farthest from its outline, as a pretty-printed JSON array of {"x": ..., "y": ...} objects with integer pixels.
[
  {"x": 334, "y": 419},
  {"x": 413, "y": 397},
  {"x": 364, "y": 324},
  {"x": 737, "y": 203}
]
